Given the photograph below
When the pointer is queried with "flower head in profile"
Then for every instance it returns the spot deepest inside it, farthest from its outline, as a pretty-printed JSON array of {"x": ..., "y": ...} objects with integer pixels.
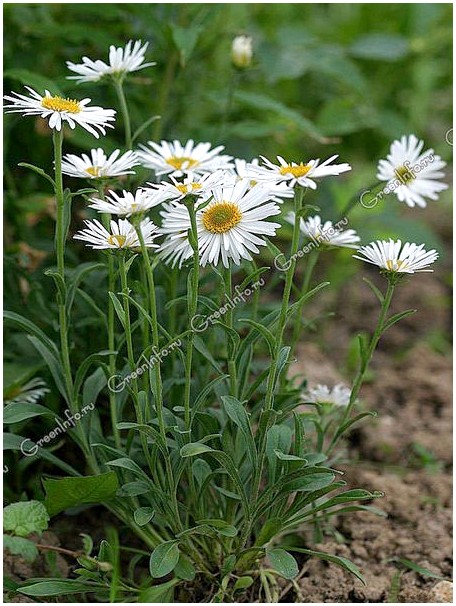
[
  {"x": 243, "y": 170},
  {"x": 175, "y": 249},
  {"x": 29, "y": 393},
  {"x": 393, "y": 258},
  {"x": 326, "y": 233},
  {"x": 302, "y": 174},
  {"x": 242, "y": 51},
  {"x": 197, "y": 185},
  {"x": 122, "y": 61},
  {"x": 177, "y": 160},
  {"x": 412, "y": 174},
  {"x": 122, "y": 234},
  {"x": 230, "y": 226},
  {"x": 59, "y": 110},
  {"x": 127, "y": 203},
  {"x": 98, "y": 165},
  {"x": 339, "y": 395}
]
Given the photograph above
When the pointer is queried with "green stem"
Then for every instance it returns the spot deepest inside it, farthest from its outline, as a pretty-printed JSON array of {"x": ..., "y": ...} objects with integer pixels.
[
  {"x": 125, "y": 113},
  {"x": 365, "y": 360},
  {"x": 358, "y": 382},
  {"x": 111, "y": 328},
  {"x": 311, "y": 262},
  {"x": 157, "y": 371},
  {"x": 229, "y": 344},
  {"x": 131, "y": 359},
  {"x": 269, "y": 398},
  {"x": 192, "y": 309},
  {"x": 60, "y": 238}
]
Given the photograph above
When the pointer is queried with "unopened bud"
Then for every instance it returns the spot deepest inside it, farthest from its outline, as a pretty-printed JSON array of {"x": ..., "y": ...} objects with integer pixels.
[{"x": 242, "y": 51}]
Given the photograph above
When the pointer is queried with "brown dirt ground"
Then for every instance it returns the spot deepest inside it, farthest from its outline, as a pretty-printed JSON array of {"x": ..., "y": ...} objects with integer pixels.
[{"x": 412, "y": 394}]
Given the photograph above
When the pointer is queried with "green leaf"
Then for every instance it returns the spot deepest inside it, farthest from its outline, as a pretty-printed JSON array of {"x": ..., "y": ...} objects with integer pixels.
[
  {"x": 339, "y": 560},
  {"x": 243, "y": 583},
  {"x": 194, "y": 448},
  {"x": 278, "y": 438},
  {"x": 21, "y": 547},
  {"x": 67, "y": 492},
  {"x": 119, "y": 309},
  {"x": 39, "y": 171},
  {"x": 375, "y": 290},
  {"x": 237, "y": 413},
  {"x": 185, "y": 39},
  {"x": 25, "y": 445},
  {"x": 419, "y": 569},
  {"x": 16, "y": 412},
  {"x": 267, "y": 334},
  {"x": 268, "y": 531},
  {"x": 158, "y": 594},
  {"x": 51, "y": 588},
  {"x": 184, "y": 569},
  {"x": 221, "y": 526},
  {"x": 25, "y": 517},
  {"x": 133, "y": 489},
  {"x": 143, "y": 515},
  {"x": 53, "y": 363},
  {"x": 310, "y": 482},
  {"x": 396, "y": 317},
  {"x": 283, "y": 563},
  {"x": 164, "y": 559}
]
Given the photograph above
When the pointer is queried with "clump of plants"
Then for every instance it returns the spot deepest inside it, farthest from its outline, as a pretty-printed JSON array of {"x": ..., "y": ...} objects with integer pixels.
[{"x": 186, "y": 425}]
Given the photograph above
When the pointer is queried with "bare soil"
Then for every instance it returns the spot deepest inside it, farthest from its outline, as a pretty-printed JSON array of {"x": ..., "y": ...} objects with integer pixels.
[{"x": 412, "y": 392}]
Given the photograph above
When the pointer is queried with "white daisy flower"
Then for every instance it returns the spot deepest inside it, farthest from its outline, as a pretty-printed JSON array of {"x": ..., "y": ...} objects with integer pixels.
[
  {"x": 243, "y": 170},
  {"x": 177, "y": 160},
  {"x": 122, "y": 235},
  {"x": 59, "y": 110},
  {"x": 175, "y": 249},
  {"x": 98, "y": 165},
  {"x": 198, "y": 185},
  {"x": 29, "y": 393},
  {"x": 394, "y": 258},
  {"x": 326, "y": 233},
  {"x": 412, "y": 174},
  {"x": 121, "y": 62},
  {"x": 128, "y": 203},
  {"x": 339, "y": 395},
  {"x": 301, "y": 174},
  {"x": 229, "y": 226}
]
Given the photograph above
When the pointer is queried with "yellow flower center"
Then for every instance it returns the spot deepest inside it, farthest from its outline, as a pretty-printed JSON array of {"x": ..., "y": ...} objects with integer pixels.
[
  {"x": 59, "y": 104},
  {"x": 182, "y": 162},
  {"x": 297, "y": 171},
  {"x": 117, "y": 240},
  {"x": 186, "y": 188},
  {"x": 404, "y": 175},
  {"x": 94, "y": 171},
  {"x": 395, "y": 265},
  {"x": 221, "y": 217}
]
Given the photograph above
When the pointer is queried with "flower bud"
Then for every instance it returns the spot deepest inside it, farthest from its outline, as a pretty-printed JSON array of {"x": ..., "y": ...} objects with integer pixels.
[{"x": 242, "y": 51}]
